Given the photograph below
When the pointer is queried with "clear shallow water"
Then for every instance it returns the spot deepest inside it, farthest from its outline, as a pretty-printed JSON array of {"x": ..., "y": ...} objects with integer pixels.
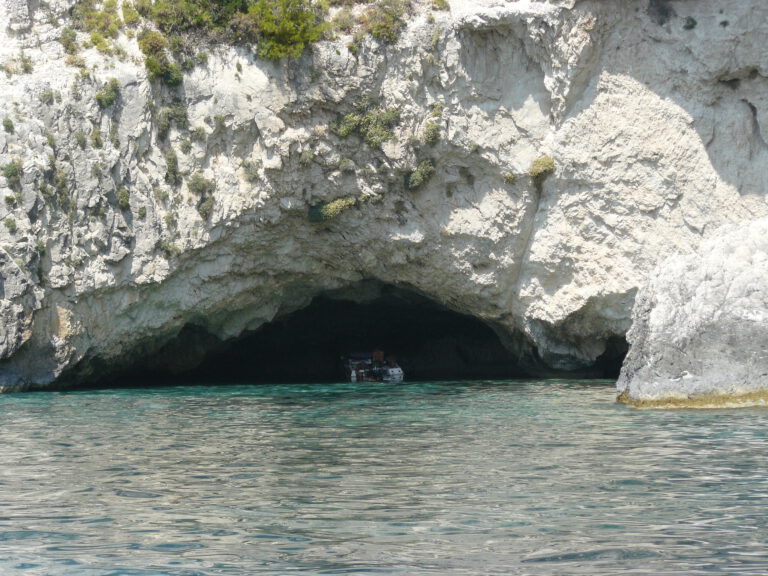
[{"x": 466, "y": 478}]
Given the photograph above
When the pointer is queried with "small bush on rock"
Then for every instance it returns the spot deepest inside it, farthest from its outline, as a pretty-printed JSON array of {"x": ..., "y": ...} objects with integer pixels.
[
  {"x": 540, "y": 169},
  {"x": 172, "y": 175},
  {"x": 421, "y": 175},
  {"x": 285, "y": 27},
  {"x": 8, "y": 125},
  {"x": 152, "y": 42},
  {"x": 198, "y": 135},
  {"x": 96, "y": 140},
  {"x": 200, "y": 185},
  {"x": 109, "y": 93},
  {"x": 159, "y": 66},
  {"x": 431, "y": 133},
  {"x": 25, "y": 63},
  {"x": 344, "y": 20},
  {"x": 348, "y": 124},
  {"x": 102, "y": 19},
  {"x": 169, "y": 248},
  {"x": 81, "y": 139},
  {"x": 375, "y": 125},
  {"x": 176, "y": 114},
  {"x": 205, "y": 208},
  {"x": 123, "y": 199},
  {"x": 100, "y": 43},
  {"x": 131, "y": 16},
  {"x": 13, "y": 172},
  {"x": 329, "y": 211},
  {"x": 48, "y": 97},
  {"x": 68, "y": 40},
  {"x": 385, "y": 20},
  {"x": 306, "y": 157},
  {"x": 204, "y": 188}
]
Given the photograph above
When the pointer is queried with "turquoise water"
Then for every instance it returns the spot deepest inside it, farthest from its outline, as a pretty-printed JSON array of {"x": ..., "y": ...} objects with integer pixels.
[{"x": 466, "y": 478}]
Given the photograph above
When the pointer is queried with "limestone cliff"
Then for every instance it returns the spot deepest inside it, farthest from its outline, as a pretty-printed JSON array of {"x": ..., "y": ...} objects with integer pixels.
[
  {"x": 700, "y": 330},
  {"x": 190, "y": 206}
]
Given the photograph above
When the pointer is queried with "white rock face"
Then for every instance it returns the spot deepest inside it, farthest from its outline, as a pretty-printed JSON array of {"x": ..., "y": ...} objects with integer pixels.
[
  {"x": 654, "y": 113},
  {"x": 700, "y": 330}
]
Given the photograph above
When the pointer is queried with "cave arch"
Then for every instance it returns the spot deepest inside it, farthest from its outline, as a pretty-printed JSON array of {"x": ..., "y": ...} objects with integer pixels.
[{"x": 430, "y": 341}]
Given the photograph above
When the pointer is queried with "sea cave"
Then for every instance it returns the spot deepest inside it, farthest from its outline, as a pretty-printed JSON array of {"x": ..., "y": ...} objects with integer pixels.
[{"x": 429, "y": 341}]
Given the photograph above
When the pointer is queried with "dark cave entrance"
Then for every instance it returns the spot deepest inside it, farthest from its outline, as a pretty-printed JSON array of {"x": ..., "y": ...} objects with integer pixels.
[{"x": 430, "y": 342}]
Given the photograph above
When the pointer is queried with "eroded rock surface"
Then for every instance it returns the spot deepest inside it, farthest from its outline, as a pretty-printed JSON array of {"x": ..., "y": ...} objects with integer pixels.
[
  {"x": 700, "y": 330},
  {"x": 654, "y": 113}
]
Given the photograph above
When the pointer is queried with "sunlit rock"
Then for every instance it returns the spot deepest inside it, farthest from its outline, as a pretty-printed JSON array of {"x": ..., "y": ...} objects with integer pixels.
[
  {"x": 700, "y": 330},
  {"x": 116, "y": 242}
]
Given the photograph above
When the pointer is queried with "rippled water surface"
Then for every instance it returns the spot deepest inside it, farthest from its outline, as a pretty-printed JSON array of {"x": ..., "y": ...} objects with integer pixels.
[{"x": 422, "y": 478}]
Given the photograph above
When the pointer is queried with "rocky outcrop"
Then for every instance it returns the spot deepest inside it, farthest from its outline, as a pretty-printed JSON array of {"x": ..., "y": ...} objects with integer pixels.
[
  {"x": 652, "y": 111},
  {"x": 700, "y": 329}
]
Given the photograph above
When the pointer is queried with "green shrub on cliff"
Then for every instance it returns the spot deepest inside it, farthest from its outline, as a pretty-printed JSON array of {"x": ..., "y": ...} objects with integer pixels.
[
  {"x": 285, "y": 27},
  {"x": 80, "y": 139},
  {"x": 374, "y": 125},
  {"x": 109, "y": 93},
  {"x": 123, "y": 198},
  {"x": 13, "y": 172},
  {"x": 131, "y": 15},
  {"x": 172, "y": 174},
  {"x": 96, "y": 17},
  {"x": 330, "y": 210},
  {"x": 205, "y": 208},
  {"x": 171, "y": 115},
  {"x": 279, "y": 28},
  {"x": 200, "y": 185},
  {"x": 344, "y": 20},
  {"x": 420, "y": 175},
  {"x": 540, "y": 169},
  {"x": 69, "y": 41},
  {"x": 385, "y": 20},
  {"x": 156, "y": 60},
  {"x": 431, "y": 134},
  {"x": 96, "y": 140},
  {"x": 152, "y": 42}
]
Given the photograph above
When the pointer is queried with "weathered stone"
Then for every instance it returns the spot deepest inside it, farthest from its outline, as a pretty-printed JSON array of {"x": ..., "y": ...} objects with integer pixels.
[
  {"x": 656, "y": 131},
  {"x": 700, "y": 326}
]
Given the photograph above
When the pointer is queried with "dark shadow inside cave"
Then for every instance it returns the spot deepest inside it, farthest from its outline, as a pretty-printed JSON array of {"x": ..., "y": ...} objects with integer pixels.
[{"x": 429, "y": 341}]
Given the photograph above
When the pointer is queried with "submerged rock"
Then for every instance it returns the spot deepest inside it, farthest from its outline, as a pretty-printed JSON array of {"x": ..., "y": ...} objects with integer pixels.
[{"x": 700, "y": 326}]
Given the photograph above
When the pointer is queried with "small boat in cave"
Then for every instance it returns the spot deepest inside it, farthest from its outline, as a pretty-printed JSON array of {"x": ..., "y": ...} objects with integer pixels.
[{"x": 372, "y": 367}]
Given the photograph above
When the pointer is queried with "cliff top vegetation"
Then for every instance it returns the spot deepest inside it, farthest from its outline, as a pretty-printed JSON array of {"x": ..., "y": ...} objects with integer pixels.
[
  {"x": 279, "y": 28},
  {"x": 171, "y": 33}
]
